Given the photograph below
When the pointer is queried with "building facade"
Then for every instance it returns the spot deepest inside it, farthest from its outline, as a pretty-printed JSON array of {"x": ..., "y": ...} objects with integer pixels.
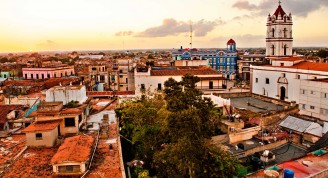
[
  {"x": 48, "y": 72},
  {"x": 224, "y": 61},
  {"x": 152, "y": 79},
  {"x": 279, "y": 37},
  {"x": 314, "y": 98},
  {"x": 281, "y": 79}
]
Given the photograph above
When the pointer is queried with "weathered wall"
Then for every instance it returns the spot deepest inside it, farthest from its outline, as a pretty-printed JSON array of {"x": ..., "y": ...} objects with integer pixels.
[
  {"x": 48, "y": 138},
  {"x": 245, "y": 134}
]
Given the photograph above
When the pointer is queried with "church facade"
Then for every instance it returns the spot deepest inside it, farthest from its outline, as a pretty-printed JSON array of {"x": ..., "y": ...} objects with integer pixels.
[{"x": 281, "y": 79}]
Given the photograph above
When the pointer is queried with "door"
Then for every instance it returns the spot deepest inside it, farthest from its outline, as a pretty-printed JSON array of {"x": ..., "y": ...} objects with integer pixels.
[
  {"x": 211, "y": 85},
  {"x": 282, "y": 93}
]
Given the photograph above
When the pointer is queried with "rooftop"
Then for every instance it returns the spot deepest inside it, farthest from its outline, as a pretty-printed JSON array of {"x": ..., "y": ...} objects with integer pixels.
[
  {"x": 183, "y": 71},
  {"x": 306, "y": 166},
  {"x": 5, "y": 109},
  {"x": 74, "y": 149},
  {"x": 34, "y": 161},
  {"x": 42, "y": 126}
]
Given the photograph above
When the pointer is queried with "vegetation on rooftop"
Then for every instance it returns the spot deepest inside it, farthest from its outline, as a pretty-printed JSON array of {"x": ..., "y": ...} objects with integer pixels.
[
  {"x": 171, "y": 133},
  {"x": 72, "y": 104}
]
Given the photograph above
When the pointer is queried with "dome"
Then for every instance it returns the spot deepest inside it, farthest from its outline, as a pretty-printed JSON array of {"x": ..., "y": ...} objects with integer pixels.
[{"x": 231, "y": 41}]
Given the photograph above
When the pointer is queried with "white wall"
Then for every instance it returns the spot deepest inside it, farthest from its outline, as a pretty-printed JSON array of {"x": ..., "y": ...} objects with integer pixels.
[
  {"x": 66, "y": 94},
  {"x": 272, "y": 89},
  {"x": 312, "y": 93}
]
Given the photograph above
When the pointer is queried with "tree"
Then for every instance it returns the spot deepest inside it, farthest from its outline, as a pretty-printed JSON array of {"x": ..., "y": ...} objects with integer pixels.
[
  {"x": 171, "y": 134},
  {"x": 323, "y": 53}
]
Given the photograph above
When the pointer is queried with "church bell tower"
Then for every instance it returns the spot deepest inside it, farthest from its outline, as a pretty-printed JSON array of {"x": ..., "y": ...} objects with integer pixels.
[{"x": 279, "y": 38}]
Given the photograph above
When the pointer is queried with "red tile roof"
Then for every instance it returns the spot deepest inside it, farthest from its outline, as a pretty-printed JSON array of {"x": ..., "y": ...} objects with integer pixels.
[
  {"x": 74, "y": 149},
  {"x": 42, "y": 126},
  {"x": 279, "y": 11},
  {"x": 5, "y": 109},
  {"x": 289, "y": 59},
  {"x": 311, "y": 66},
  {"x": 184, "y": 71},
  {"x": 231, "y": 41}
]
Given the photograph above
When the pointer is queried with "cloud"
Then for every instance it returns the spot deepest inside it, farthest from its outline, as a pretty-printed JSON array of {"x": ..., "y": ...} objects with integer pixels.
[
  {"x": 172, "y": 27},
  {"x": 244, "y": 5},
  {"x": 47, "y": 43},
  {"x": 50, "y": 42},
  {"x": 124, "y": 33},
  {"x": 297, "y": 7},
  {"x": 242, "y": 40}
]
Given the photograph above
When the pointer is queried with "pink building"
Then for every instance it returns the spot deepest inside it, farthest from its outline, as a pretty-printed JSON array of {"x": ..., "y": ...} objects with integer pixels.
[{"x": 47, "y": 72}]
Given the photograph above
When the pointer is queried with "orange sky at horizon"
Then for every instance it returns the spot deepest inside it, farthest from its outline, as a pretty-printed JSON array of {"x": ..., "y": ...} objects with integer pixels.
[{"x": 44, "y": 25}]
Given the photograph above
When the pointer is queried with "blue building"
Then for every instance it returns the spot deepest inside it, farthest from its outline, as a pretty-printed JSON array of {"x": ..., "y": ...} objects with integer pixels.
[{"x": 224, "y": 61}]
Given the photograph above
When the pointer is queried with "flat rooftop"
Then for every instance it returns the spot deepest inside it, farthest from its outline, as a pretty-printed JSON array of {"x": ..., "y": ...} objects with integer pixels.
[{"x": 255, "y": 105}]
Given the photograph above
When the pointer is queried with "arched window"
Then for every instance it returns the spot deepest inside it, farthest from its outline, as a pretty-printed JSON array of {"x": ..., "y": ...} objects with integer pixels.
[
  {"x": 285, "y": 33},
  {"x": 285, "y": 49},
  {"x": 272, "y": 32}
]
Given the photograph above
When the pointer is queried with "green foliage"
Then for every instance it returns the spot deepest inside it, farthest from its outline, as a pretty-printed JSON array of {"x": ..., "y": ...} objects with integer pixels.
[
  {"x": 4, "y": 60},
  {"x": 323, "y": 53},
  {"x": 150, "y": 56},
  {"x": 171, "y": 134},
  {"x": 72, "y": 104}
]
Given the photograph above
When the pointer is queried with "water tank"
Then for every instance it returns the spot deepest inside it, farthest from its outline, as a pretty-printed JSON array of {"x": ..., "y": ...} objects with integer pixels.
[
  {"x": 271, "y": 174},
  {"x": 288, "y": 173}
]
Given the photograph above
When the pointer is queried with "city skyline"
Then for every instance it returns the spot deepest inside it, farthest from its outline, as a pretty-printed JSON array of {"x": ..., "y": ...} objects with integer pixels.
[{"x": 100, "y": 25}]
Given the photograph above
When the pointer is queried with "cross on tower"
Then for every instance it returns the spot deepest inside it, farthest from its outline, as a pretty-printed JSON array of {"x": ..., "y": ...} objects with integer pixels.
[{"x": 279, "y": 2}]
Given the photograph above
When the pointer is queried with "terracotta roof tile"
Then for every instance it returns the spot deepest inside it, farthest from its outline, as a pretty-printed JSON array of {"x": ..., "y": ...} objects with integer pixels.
[
  {"x": 5, "y": 109},
  {"x": 311, "y": 66},
  {"x": 42, "y": 126},
  {"x": 74, "y": 149},
  {"x": 183, "y": 71},
  {"x": 289, "y": 59}
]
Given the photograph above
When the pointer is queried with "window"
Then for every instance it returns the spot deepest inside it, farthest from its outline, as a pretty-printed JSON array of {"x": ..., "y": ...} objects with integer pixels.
[
  {"x": 303, "y": 106},
  {"x": 302, "y": 91},
  {"x": 42, "y": 76},
  {"x": 256, "y": 80},
  {"x": 37, "y": 76},
  {"x": 311, "y": 107},
  {"x": 323, "y": 111},
  {"x": 312, "y": 92},
  {"x": 272, "y": 34},
  {"x": 298, "y": 76},
  {"x": 282, "y": 64},
  {"x": 55, "y": 75},
  {"x": 80, "y": 118},
  {"x": 325, "y": 95},
  {"x": 31, "y": 76},
  {"x": 159, "y": 87},
  {"x": 70, "y": 122},
  {"x": 126, "y": 80},
  {"x": 267, "y": 81},
  {"x": 284, "y": 75},
  {"x": 143, "y": 87},
  {"x": 38, "y": 136},
  {"x": 102, "y": 77},
  {"x": 121, "y": 71},
  {"x": 25, "y": 76},
  {"x": 48, "y": 75},
  {"x": 93, "y": 68},
  {"x": 121, "y": 76}
]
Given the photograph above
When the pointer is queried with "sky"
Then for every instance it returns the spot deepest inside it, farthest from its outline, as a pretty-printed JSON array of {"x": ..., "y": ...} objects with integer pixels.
[{"x": 54, "y": 25}]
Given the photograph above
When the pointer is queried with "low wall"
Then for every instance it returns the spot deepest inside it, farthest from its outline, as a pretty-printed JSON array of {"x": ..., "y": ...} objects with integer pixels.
[
  {"x": 264, "y": 147},
  {"x": 219, "y": 139},
  {"x": 232, "y": 95},
  {"x": 244, "y": 134}
]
